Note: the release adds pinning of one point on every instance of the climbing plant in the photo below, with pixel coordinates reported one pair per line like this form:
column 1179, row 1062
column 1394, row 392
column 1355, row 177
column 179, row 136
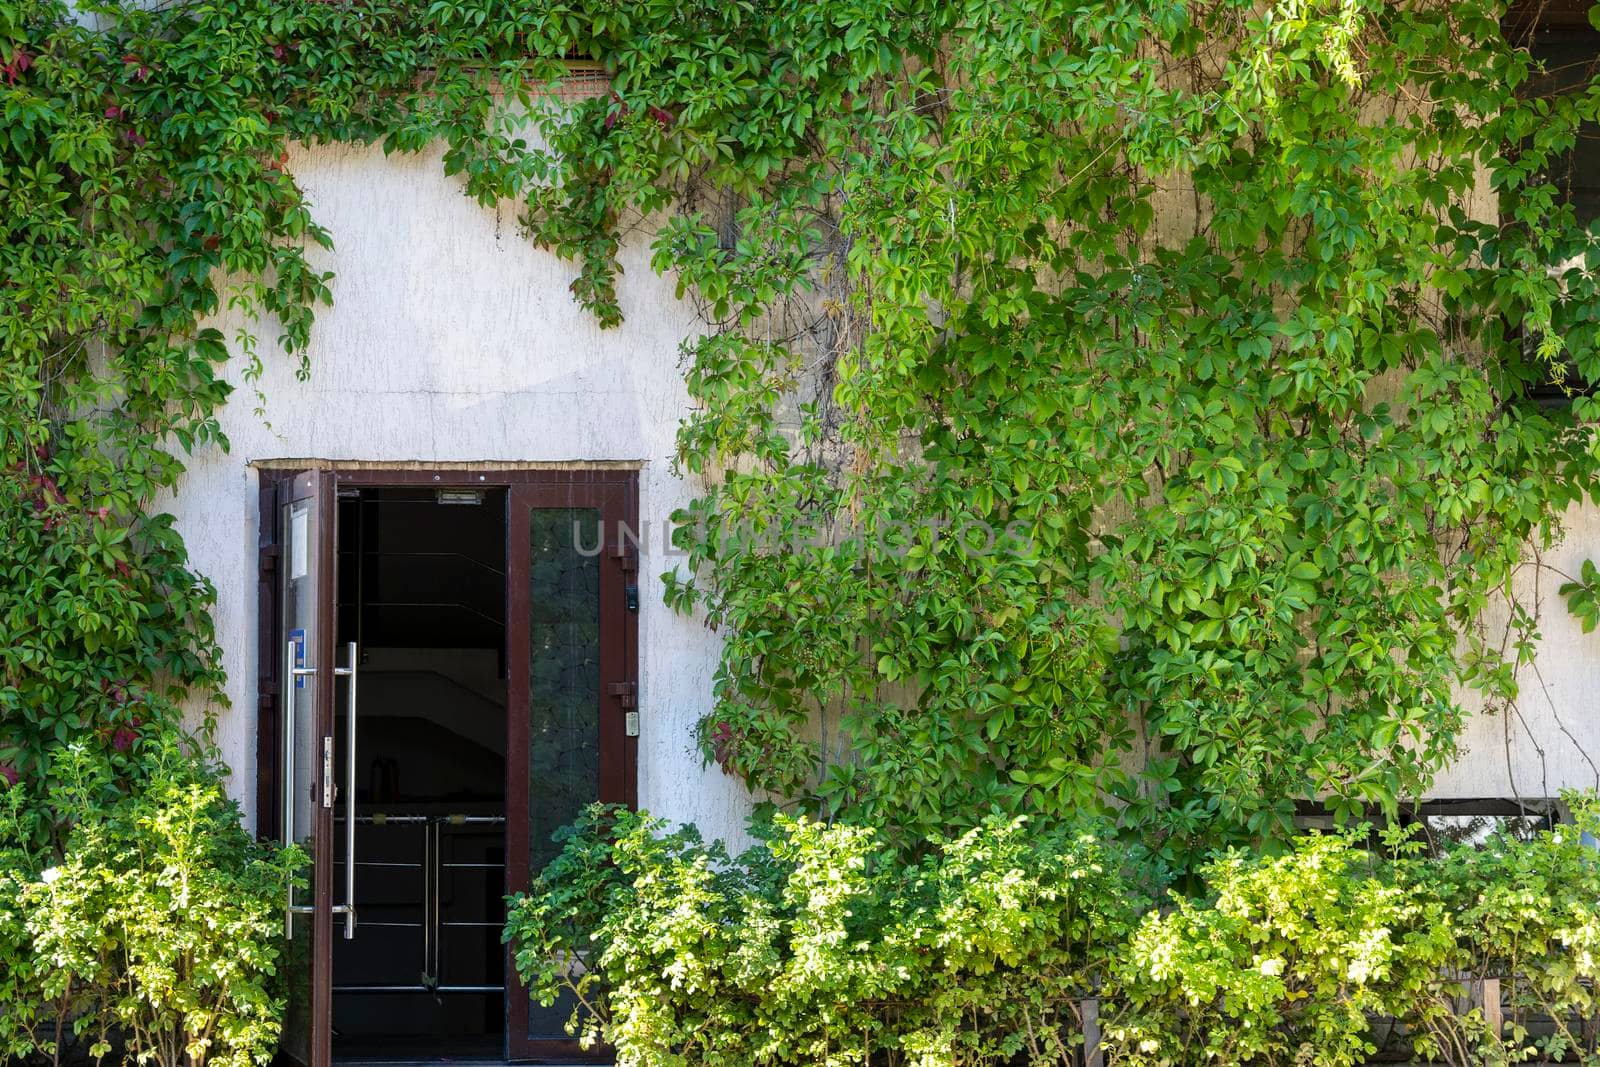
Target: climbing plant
column 1105, row 406
column 1100, row 405
column 143, row 176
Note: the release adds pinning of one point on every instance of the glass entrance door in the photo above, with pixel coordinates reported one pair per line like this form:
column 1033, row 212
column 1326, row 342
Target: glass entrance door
column 305, row 682
column 492, row 619
column 422, row 596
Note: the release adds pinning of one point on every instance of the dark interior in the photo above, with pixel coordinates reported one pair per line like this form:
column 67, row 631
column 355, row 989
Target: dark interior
column 1566, row 47
column 422, row 587
column 1568, row 50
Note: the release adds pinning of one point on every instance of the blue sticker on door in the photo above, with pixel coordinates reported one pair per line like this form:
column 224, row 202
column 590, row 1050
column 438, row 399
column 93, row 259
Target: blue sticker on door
column 298, row 636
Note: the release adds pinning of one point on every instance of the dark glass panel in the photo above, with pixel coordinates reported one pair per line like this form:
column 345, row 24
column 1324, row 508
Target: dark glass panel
column 563, row 672
column 563, row 692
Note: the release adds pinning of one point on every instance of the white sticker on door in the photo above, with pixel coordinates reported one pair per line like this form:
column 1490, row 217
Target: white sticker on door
column 299, row 520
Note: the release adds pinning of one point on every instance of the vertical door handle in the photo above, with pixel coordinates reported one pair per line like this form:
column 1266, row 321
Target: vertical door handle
column 349, row 908
column 286, row 710
column 438, row 888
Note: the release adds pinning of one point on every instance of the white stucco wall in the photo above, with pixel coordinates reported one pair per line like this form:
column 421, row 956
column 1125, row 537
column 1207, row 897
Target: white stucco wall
column 452, row 339
column 1550, row 739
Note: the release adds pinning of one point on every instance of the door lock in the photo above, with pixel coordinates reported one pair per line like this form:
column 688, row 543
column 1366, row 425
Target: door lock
column 327, row 771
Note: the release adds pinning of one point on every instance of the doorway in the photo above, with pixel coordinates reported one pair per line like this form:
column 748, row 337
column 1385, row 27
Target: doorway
column 473, row 635
column 422, row 596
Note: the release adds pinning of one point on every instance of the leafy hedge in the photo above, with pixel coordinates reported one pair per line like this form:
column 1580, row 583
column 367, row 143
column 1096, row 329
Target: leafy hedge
column 823, row 947
column 155, row 932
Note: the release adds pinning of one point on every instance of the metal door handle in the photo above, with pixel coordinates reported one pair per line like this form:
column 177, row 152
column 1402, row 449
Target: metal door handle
column 287, row 711
column 291, row 680
column 349, row 908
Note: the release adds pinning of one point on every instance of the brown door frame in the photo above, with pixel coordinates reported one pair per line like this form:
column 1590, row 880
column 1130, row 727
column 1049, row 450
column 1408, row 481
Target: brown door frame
column 322, row 874
column 615, row 493
column 278, row 489
column 269, row 657
column 615, row 496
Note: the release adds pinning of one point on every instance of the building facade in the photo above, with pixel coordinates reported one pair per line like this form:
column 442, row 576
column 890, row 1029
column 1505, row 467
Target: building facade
column 419, row 547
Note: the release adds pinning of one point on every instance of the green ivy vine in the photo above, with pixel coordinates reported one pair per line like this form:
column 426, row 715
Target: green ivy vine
column 1226, row 314
column 143, row 182
column 1217, row 318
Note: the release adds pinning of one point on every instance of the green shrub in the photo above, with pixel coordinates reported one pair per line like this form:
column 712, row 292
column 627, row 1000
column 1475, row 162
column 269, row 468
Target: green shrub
column 820, row 947
column 1286, row 960
column 825, row 947
column 157, row 928
column 1311, row 956
column 1528, row 913
column 22, row 1010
